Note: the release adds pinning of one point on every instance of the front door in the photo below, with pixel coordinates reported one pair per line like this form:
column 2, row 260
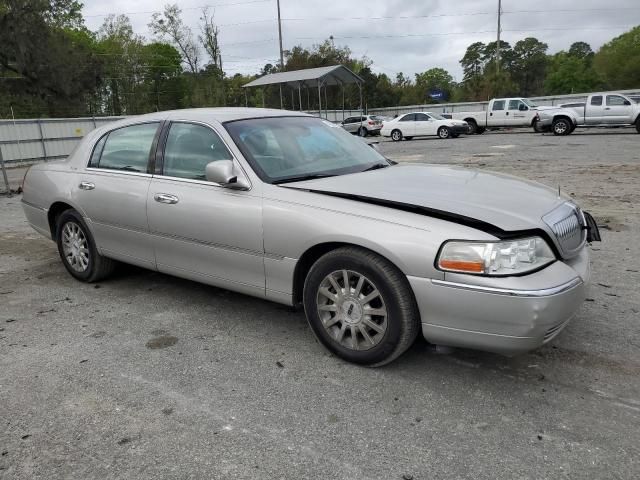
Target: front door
column 518, row 113
column 618, row 110
column 202, row 230
column 113, row 193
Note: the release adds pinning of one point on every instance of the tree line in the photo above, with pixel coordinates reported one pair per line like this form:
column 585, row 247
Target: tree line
column 52, row 65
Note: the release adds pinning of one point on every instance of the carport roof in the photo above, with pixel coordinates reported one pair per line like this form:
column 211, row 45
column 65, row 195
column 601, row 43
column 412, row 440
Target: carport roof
column 311, row 77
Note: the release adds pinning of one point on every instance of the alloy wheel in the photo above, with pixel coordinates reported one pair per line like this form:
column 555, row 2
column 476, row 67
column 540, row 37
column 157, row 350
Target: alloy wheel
column 75, row 246
column 352, row 310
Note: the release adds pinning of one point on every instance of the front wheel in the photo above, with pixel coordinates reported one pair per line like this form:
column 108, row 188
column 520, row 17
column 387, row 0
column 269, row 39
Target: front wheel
column 396, row 135
column 537, row 127
column 444, row 132
column 360, row 306
column 638, row 125
column 472, row 127
column 362, row 132
column 78, row 249
column 561, row 126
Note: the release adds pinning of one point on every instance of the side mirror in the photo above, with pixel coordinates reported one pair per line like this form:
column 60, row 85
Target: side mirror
column 222, row 172
column 627, row 102
column 523, row 108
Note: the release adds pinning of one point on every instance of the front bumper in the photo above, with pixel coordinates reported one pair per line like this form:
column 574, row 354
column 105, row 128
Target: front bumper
column 459, row 129
column 502, row 318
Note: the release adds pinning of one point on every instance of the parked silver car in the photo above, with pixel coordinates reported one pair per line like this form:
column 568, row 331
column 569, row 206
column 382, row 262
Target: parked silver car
column 291, row 208
column 363, row 125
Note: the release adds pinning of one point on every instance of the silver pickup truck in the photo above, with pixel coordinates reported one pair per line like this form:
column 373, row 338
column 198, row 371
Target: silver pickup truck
column 600, row 110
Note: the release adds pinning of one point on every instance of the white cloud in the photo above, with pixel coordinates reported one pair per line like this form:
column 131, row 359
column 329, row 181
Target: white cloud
column 430, row 33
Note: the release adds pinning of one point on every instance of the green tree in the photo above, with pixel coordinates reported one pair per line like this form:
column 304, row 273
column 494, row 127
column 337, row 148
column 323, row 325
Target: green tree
column 434, row 78
column 169, row 25
column 618, row 61
column 528, row 66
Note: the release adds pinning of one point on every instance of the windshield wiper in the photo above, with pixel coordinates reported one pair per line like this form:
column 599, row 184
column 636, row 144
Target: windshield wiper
column 376, row 166
column 301, row 178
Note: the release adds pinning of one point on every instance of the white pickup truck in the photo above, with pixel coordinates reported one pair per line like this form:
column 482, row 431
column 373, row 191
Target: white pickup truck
column 600, row 110
column 501, row 113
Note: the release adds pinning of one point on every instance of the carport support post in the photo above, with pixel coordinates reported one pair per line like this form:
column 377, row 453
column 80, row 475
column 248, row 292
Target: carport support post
column 281, row 104
column 246, row 98
column 4, row 173
column 44, row 147
column 300, row 96
column 319, row 101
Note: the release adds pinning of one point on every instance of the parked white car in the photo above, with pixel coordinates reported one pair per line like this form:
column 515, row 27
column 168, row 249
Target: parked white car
column 417, row 124
column 600, row 110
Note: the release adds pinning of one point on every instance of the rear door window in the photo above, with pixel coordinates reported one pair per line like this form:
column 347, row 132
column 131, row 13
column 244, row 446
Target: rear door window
column 127, row 148
column 498, row 105
column 597, row 100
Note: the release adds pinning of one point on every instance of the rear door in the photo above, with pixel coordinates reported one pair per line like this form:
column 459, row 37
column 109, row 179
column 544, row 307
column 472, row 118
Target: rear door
column 498, row 114
column 112, row 191
column 351, row 124
column 407, row 125
column 617, row 110
column 594, row 112
column 202, row 230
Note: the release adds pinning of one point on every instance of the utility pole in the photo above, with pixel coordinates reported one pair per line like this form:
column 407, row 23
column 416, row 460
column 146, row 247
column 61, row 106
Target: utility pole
column 498, row 42
column 281, row 54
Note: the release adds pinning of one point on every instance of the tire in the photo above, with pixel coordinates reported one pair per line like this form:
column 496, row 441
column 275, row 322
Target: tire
column 537, row 128
column 561, row 127
column 396, row 135
column 362, row 132
column 481, row 130
column 473, row 126
column 444, row 133
column 638, row 125
column 78, row 251
column 342, row 325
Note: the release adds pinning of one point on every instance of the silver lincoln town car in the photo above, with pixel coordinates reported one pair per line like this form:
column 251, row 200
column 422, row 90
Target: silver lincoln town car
column 291, row 208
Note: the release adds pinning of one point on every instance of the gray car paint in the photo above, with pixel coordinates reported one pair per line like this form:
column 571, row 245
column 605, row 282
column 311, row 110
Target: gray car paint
column 251, row 241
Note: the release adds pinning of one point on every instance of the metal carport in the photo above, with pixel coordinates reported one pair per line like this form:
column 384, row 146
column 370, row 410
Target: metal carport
column 311, row 78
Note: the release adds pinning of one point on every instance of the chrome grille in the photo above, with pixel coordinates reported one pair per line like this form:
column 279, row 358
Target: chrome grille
column 567, row 224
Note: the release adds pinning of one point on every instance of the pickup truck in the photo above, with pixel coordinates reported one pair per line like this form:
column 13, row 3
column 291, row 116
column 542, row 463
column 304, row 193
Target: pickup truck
column 500, row 113
column 600, row 110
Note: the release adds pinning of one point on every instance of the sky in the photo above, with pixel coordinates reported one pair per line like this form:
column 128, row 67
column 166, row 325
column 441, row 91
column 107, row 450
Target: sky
column 408, row 36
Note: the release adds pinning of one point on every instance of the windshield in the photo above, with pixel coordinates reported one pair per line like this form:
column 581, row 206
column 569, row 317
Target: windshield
column 290, row 148
column 529, row 103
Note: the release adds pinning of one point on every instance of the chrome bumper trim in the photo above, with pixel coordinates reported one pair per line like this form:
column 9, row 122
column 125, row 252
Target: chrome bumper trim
column 546, row 292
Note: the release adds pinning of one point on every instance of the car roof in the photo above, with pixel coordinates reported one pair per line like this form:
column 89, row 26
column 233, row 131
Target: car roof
column 222, row 114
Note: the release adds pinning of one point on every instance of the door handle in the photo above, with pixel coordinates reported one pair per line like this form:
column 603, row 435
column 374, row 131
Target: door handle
column 87, row 186
column 507, row 113
column 165, row 198
column 607, row 108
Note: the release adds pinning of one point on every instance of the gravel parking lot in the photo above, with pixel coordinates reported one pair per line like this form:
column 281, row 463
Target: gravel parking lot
column 149, row 376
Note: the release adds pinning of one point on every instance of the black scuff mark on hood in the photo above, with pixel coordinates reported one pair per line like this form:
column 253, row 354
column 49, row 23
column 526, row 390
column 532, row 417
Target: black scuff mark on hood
column 441, row 215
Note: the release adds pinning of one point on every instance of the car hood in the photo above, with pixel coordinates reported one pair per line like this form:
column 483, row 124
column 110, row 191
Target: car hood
column 503, row 201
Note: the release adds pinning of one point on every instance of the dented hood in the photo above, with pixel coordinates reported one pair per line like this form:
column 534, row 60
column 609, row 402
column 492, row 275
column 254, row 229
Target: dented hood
column 506, row 202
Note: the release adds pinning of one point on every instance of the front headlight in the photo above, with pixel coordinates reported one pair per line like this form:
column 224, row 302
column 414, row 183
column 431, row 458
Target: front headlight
column 510, row 257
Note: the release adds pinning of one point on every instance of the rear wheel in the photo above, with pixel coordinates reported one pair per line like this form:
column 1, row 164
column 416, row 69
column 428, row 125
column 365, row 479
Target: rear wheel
column 473, row 127
column 638, row 125
column 561, row 126
column 396, row 135
column 78, row 249
column 360, row 306
column 444, row 132
column 537, row 127
column 362, row 132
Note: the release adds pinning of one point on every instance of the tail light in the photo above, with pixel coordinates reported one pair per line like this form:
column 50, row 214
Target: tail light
column 371, row 122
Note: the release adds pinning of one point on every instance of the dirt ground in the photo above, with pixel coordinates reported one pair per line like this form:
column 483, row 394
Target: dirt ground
column 148, row 376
